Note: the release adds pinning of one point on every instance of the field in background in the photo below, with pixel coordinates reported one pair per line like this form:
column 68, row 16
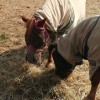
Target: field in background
column 20, row 81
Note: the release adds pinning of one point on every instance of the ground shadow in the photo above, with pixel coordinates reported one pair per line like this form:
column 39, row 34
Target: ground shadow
column 9, row 62
column 36, row 87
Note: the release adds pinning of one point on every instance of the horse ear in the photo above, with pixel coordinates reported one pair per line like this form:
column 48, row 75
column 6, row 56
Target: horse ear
column 41, row 23
column 24, row 19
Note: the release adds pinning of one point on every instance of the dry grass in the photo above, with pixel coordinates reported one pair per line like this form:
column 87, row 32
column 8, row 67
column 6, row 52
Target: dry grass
column 21, row 81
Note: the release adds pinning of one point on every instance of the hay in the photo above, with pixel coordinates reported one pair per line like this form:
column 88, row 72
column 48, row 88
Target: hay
column 42, row 84
column 35, row 83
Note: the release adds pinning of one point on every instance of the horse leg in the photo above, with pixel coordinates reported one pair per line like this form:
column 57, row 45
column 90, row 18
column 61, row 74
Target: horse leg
column 49, row 57
column 51, row 47
column 94, row 85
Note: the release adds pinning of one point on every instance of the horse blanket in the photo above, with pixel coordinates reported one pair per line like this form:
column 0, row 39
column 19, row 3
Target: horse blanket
column 61, row 14
column 81, row 42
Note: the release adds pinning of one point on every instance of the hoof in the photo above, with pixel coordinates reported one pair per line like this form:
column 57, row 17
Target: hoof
column 49, row 65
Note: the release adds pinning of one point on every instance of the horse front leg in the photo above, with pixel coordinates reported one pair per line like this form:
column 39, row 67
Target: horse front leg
column 49, row 59
column 92, row 93
column 94, row 85
column 51, row 47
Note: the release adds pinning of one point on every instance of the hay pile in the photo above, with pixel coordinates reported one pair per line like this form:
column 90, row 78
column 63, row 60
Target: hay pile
column 34, row 83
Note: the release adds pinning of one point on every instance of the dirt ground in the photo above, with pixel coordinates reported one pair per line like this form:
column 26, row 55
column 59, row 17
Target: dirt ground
column 12, row 58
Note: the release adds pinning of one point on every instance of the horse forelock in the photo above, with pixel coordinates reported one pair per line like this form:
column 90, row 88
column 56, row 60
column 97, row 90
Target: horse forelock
column 35, row 24
column 41, row 29
column 37, row 31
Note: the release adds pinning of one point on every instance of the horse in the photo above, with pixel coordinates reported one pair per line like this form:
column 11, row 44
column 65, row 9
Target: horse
column 48, row 23
column 82, row 42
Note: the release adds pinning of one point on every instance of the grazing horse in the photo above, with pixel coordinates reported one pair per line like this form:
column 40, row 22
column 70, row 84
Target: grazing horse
column 50, row 21
column 82, row 42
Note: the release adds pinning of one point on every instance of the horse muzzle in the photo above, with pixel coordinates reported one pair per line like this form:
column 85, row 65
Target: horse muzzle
column 34, row 58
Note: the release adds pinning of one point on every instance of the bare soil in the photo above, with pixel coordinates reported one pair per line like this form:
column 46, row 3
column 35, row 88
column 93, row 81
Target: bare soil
column 22, row 81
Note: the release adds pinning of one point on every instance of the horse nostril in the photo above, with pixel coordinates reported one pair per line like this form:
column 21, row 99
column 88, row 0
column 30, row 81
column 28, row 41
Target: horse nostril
column 39, row 63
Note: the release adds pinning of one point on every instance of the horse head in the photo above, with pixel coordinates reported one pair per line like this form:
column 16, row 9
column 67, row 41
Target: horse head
column 36, row 38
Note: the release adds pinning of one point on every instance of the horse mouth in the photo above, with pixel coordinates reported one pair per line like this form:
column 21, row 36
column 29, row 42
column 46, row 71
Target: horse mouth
column 30, row 59
column 33, row 59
